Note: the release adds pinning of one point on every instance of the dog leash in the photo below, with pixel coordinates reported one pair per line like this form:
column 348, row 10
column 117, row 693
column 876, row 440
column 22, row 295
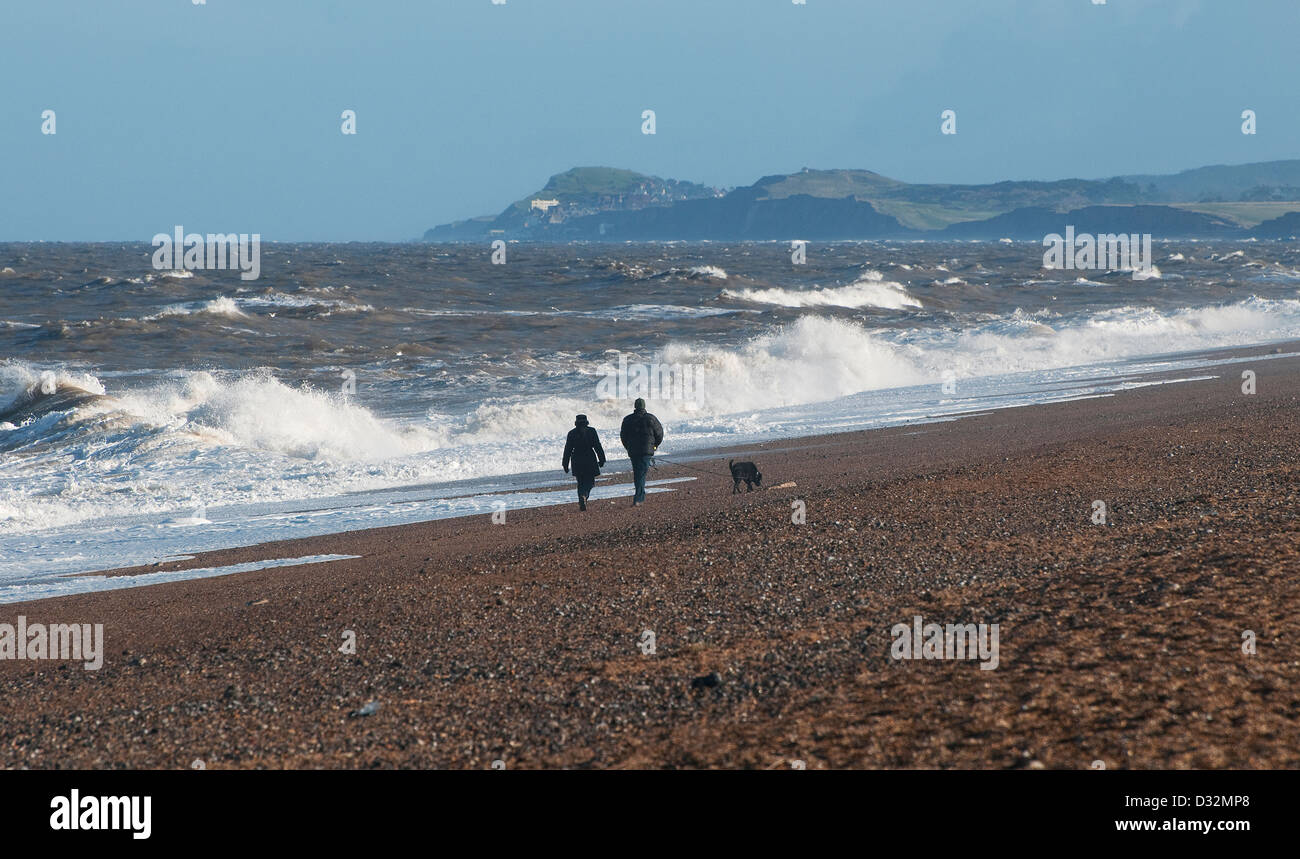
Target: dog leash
column 691, row 467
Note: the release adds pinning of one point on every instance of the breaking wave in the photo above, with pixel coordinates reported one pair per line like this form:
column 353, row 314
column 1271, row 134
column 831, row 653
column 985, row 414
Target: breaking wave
column 870, row 290
column 224, row 307
column 78, row 447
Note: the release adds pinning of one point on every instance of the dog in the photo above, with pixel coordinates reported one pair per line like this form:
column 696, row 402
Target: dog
column 746, row 471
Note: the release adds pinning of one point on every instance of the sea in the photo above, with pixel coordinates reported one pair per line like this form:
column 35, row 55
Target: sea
column 146, row 414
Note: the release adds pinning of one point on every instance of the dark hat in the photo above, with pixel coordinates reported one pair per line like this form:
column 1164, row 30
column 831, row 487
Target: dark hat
column 639, row 405
column 580, row 421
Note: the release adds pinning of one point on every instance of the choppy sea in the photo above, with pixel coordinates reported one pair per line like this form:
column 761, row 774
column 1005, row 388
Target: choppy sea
column 148, row 414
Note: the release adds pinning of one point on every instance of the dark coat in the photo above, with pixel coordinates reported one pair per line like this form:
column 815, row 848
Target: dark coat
column 582, row 449
column 641, row 433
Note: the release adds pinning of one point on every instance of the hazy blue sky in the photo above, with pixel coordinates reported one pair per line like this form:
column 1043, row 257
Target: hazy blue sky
column 226, row 116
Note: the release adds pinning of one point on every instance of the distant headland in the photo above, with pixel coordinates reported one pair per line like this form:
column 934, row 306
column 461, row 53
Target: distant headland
column 1259, row 200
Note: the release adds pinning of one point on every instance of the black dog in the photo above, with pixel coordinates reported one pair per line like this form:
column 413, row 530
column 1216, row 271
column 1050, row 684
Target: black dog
column 746, row 471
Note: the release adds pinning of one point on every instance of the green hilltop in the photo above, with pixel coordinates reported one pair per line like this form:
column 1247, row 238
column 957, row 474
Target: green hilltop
column 590, row 185
column 609, row 202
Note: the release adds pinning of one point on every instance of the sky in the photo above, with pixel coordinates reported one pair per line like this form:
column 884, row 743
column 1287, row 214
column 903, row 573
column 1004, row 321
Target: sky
column 225, row 116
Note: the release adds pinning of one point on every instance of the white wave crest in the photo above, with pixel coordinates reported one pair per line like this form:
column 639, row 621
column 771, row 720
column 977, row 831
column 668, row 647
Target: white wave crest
column 19, row 381
column 261, row 413
column 223, row 306
column 870, row 290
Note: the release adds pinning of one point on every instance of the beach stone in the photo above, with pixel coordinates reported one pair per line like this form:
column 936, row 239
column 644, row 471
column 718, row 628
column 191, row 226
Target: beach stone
column 369, row 710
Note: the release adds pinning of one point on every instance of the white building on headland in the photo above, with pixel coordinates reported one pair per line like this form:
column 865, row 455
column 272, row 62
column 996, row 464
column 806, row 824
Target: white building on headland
column 543, row 205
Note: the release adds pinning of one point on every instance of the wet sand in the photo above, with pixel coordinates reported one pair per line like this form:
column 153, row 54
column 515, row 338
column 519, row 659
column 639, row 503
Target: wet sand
column 523, row 642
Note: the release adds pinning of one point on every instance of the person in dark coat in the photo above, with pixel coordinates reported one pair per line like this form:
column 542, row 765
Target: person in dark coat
column 641, row 434
column 582, row 450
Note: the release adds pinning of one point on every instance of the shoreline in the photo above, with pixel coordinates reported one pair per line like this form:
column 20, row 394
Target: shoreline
column 534, row 483
column 522, row 642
